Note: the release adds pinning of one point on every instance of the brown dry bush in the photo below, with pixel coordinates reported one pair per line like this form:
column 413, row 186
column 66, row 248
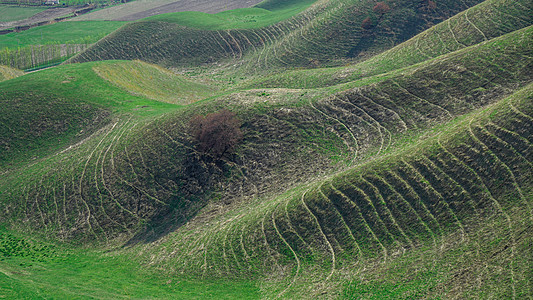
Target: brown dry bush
column 216, row 133
column 367, row 24
column 381, row 8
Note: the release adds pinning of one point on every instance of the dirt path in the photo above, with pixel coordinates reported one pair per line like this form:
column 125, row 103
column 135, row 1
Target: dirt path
column 139, row 9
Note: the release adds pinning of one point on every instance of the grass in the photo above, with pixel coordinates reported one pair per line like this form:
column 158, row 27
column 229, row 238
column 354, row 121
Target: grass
column 413, row 183
column 62, row 272
column 10, row 13
column 7, row 73
column 43, row 46
column 438, row 40
column 65, row 100
column 153, row 82
column 243, row 18
column 60, row 33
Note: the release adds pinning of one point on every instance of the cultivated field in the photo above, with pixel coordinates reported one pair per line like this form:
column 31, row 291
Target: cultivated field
column 139, row 9
column 51, row 44
column 9, row 13
column 42, row 16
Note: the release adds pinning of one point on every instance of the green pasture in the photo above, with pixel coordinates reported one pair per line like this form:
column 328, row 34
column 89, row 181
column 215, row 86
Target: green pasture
column 10, row 13
column 32, row 269
column 243, row 18
column 82, row 32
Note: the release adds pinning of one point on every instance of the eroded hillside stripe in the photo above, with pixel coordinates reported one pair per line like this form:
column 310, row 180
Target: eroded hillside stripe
column 409, row 195
column 376, row 125
column 343, row 125
column 520, row 144
column 339, row 215
column 470, row 22
column 83, row 174
column 402, row 122
column 333, row 260
column 100, row 162
column 289, row 222
column 500, row 209
column 368, row 205
column 298, row 264
column 453, row 34
column 401, row 211
column 426, row 170
column 502, row 162
column 386, row 215
column 361, row 213
column 102, row 173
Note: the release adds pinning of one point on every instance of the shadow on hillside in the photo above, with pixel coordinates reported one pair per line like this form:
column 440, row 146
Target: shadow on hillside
column 199, row 180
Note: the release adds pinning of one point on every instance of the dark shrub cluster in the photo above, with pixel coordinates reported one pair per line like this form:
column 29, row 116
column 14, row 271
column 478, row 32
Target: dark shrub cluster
column 216, row 133
column 381, row 8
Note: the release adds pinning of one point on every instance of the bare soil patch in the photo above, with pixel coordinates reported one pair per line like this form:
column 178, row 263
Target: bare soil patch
column 47, row 15
column 136, row 10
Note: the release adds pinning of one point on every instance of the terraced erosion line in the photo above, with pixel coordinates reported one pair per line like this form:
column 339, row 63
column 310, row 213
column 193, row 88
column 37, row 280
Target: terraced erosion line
column 267, row 244
column 113, row 144
column 341, row 217
column 364, row 220
column 81, row 181
column 515, row 182
column 470, row 22
column 293, row 252
column 343, row 125
column 377, row 127
column 499, row 207
column 333, row 260
column 388, row 213
column 441, row 198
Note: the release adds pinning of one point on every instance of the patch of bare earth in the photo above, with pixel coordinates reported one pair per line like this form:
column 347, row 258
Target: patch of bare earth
column 46, row 15
column 136, row 10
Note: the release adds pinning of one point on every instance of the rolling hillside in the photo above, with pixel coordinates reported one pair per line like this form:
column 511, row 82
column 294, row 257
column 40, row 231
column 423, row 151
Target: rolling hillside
column 406, row 173
column 327, row 33
column 483, row 22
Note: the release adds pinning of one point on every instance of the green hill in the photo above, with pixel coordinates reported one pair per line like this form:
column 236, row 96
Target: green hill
column 261, row 15
column 153, row 82
column 404, row 175
column 493, row 18
column 157, row 162
column 432, row 210
column 46, row 111
column 328, row 32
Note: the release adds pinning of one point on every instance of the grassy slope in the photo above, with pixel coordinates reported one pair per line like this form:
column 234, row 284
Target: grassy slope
column 30, row 268
column 153, row 82
column 261, row 15
column 327, row 32
column 60, row 33
column 7, row 73
column 131, row 175
column 483, row 22
column 155, row 161
column 429, row 212
column 45, row 111
column 10, row 13
column 415, row 273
